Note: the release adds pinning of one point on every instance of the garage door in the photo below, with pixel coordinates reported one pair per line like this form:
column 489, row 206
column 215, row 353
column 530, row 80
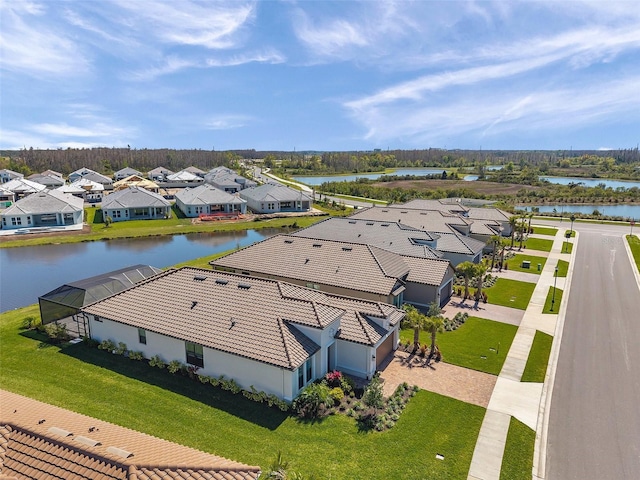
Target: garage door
column 383, row 350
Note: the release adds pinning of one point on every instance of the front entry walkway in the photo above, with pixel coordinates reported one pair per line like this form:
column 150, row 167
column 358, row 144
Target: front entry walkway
column 452, row 381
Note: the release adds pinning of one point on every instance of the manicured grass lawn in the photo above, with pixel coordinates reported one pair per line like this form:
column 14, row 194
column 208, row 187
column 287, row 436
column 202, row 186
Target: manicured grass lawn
column 517, row 461
column 202, row 262
column 539, row 244
column 573, row 233
column 130, row 393
column 563, row 268
column 634, row 244
column 536, row 367
column 545, row 230
column 567, row 247
column 557, row 300
column 510, row 293
column 515, row 263
column 170, row 226
column 475, row 339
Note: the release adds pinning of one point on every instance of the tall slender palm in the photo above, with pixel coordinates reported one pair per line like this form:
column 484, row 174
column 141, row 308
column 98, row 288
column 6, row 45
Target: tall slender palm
column 434, row 323
column 481, row 270
column 494, row 241
column 513, row 223
column 521, row 228
column 467, row 270
column 530, row 217
column 416, row 320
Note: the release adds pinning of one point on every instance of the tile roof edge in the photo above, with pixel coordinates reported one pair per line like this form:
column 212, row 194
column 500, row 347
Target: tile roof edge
column 285, row 342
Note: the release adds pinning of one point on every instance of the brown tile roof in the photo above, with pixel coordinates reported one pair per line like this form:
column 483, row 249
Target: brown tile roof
column 38, row 440
column 427, row 271
column 427, row 220
column 251, row 317
column 341, row 264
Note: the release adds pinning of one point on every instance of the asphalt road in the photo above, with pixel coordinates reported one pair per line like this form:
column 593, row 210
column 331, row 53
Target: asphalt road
column 594, row 423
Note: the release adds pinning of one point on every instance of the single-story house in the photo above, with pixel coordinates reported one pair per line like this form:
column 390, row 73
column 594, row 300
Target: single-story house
column 442, row 205
column 7, row 175
column 135, row 203
column 427, row 220
column 492, row 217
column 44, row 441
column 159, row 174
column 136, row 181
column 343, row 268
column 271, row 335
column 275, row 197
column 208, row 199
column 92, row 191
column 195, row 171
column 48, row 208
column 184, row 177
column 227, row 180
column 93, row 176
column 126, row 172
column 21, row 187
column 49, row 181
column 7, row 197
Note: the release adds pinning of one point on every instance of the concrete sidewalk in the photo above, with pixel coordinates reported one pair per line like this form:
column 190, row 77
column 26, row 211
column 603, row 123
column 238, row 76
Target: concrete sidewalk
column 511, row 397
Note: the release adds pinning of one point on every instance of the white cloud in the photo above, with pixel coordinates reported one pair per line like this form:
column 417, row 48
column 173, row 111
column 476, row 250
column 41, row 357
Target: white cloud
column 226, row 122
column 66, row 130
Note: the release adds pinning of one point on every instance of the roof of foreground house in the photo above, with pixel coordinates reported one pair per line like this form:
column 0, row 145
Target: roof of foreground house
column 249, row 317
column 489, row 213
column 51, row 201
column 353, row 266
column 133, row 197
column 456, row 243
column 392, row 236
column 427, row 220
column 206, row 194
column 38, row 440
column 428, row 271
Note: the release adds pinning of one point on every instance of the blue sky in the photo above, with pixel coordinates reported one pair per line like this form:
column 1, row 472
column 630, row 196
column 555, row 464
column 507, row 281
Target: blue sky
column 316, row 75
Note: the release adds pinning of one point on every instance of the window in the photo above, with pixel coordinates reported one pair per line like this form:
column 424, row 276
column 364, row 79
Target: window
column 305, row 373
column 116, row 214
column 142, row 336
column 194, row 354
column 16, row 220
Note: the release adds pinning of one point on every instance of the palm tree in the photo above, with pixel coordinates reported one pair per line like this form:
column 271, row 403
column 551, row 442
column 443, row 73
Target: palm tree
column 416, row 320
column 467, row 270
column 503, row 247
column 513, row 223
column 494, row 241
column 434, row 323
column 481, row 269
column 530, row 217
column 522, row 226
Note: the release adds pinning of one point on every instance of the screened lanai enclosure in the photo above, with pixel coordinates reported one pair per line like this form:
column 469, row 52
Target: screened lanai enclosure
column 65, row 302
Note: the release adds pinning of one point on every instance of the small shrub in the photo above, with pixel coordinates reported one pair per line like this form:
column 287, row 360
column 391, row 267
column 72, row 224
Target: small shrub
column 333, row 378
column 347, row 384
column 311, row 401
column 156, row 361
column 107, row 345
column 90, row 342
column 174, row 366
column 57, row 333
column 192, row 370
column 337, row 395
column 135, row 355
column 30, row 322
column 121, row 348
column 373, row 396
column 204, row 379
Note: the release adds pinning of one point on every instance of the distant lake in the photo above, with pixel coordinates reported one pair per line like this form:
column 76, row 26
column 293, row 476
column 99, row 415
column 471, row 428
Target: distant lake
column 471, row 178
column 591, row 182
column 313, row 180
column 28, row 272
column 616, row 210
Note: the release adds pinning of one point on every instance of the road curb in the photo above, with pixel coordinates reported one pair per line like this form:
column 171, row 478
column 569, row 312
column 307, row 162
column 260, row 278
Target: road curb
column 540, row 448
column 631, row 259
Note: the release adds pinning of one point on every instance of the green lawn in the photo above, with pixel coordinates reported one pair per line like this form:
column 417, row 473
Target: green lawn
column 119, row 390
column 144, row 228
column 515, row 263
column 538, row 244
column 467, row 345
column 557, row 300
column 573, row 233
column 510, row 293
column 545, row 230
column 203, row 262
column 517, row 462
column 536, row 367
column 567, row 247
column 563, row 268
column 634, row 244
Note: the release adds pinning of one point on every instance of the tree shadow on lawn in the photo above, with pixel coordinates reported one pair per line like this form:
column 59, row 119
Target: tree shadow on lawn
column 214, row 397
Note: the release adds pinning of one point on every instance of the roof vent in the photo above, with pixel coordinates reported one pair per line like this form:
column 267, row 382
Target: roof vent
column 423, row 213
column 317, row 245
column 90, row 442
column 385, row 225
column 369, row 223
column 193, row 304
column 199, row 278
column 352, row 221
column 385, row 211
column 347, row 249
column 406, row 211
column 288, row 241
column 221, row 281
column 119, row 452
column 60, row 432
column 306, row 261
column 244, row 286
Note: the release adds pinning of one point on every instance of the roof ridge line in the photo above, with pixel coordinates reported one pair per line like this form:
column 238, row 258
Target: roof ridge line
column 284, row 341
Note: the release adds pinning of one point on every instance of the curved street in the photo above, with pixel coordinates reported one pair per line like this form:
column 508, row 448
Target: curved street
column 594, row 419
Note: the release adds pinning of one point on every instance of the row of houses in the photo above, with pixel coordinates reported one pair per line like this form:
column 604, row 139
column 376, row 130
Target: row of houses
column 283, row 312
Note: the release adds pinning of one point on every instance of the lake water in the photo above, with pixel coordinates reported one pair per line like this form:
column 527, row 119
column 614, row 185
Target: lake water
column 592, row 182
column 625, row 211
column 28, row 272
column 312, row 180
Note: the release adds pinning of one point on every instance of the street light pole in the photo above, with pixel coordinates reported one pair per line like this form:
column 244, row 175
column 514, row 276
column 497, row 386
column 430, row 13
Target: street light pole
column 573, row 217
column 553, row 295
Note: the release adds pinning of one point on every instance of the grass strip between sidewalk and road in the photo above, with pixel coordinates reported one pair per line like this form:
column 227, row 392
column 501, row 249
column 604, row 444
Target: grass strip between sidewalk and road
column 478, row 344
column 517, row 461
column 536, row 367
column 563, row 268
column 557, row 300
column 634, row 245
column 515, row 263
column 131, row 393
column 567, row 247
column 540, row 244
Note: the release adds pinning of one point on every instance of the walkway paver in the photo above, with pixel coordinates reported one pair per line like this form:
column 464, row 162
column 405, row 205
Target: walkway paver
column 456, row 382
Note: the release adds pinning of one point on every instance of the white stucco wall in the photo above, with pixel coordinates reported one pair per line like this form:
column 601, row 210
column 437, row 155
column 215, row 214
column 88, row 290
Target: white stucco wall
column 355, row 359
column 246, row 372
